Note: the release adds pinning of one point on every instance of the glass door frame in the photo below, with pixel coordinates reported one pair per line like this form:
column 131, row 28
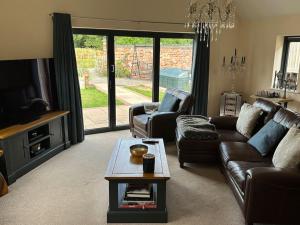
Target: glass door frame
column 111, row 34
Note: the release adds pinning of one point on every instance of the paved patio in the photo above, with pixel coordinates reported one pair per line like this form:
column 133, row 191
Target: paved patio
column 98, row 117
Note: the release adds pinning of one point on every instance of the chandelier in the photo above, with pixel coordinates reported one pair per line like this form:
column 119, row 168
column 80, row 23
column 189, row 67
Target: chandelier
column 209, row 17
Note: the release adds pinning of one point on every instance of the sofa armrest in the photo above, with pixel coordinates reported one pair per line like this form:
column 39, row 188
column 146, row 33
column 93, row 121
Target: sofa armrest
column 162, row 125
column 224, row 122
column 272, row 195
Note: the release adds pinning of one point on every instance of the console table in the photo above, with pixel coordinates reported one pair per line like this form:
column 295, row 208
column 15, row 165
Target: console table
column 25, row 146
column 280, row 101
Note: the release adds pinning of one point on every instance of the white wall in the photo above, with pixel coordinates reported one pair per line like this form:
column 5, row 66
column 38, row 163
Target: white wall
column 259, row 38
column 26, row 28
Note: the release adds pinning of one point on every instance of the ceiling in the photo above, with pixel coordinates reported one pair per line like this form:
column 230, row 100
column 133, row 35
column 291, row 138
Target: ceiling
column 252, row 9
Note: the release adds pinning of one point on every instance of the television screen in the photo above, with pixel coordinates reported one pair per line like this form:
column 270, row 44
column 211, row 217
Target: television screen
column 23, row 82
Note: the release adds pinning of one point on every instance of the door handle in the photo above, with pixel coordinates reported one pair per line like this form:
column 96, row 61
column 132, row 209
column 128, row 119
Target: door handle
column 112, row 68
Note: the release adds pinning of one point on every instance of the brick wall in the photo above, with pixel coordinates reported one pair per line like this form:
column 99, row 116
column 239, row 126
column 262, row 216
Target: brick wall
column 136, row 61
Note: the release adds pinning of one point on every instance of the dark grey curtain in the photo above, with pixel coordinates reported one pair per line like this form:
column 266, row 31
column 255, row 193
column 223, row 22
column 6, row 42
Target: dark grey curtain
column 200, row 73
column 68, row 90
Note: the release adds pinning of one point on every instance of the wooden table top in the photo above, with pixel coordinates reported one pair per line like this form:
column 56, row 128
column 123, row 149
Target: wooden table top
column 18, row 128
column 121, row 165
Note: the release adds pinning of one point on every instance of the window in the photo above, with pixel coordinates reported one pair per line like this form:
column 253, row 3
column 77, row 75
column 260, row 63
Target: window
column 118, row 69
column 288, row 76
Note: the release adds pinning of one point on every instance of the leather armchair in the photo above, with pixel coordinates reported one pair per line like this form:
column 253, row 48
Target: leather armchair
column 272, row 188
column 159, row 124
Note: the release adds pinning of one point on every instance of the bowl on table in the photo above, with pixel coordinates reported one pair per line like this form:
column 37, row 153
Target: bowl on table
column 138, row 150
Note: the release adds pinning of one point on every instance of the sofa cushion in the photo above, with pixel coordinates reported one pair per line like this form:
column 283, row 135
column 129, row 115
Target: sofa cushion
column 237, row 170
column 169, row 103
column 267, row 138
column 231, row 135
column 247, row 120
column 239, row 151
column 287, row 154
column 141, row 121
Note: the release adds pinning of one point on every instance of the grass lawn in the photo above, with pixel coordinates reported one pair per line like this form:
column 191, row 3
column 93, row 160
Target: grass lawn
column 92, row 98
column 143, row 90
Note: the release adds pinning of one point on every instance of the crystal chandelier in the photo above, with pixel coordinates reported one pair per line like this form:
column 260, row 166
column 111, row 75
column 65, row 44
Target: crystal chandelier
column 209, row 17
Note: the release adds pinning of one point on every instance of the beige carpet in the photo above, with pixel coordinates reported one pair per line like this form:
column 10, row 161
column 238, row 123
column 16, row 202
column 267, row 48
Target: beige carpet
column 70, row 189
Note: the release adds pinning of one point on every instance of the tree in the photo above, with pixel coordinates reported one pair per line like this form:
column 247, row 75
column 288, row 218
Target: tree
column 88, row 41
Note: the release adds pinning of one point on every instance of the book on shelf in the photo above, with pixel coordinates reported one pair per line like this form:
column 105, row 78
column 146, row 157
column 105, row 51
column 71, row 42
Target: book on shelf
column 139, row 206
column 138, row 196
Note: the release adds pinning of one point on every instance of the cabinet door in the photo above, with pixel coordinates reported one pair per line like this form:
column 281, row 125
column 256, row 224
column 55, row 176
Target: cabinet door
column 18, row 151
column 56, row 133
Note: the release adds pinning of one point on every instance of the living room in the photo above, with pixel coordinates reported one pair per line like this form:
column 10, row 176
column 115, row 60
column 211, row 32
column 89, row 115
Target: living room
column 99, row 69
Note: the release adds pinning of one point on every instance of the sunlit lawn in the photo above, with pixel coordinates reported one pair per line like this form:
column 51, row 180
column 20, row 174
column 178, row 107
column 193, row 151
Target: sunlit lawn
column 92, row 98
column 144, row 90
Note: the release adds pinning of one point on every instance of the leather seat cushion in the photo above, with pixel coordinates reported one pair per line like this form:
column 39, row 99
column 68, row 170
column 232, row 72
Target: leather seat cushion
column 141, row 121
column 231, row 135
column 237, row 170
column 239, row 151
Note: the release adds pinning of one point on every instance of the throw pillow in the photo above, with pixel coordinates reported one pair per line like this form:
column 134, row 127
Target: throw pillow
column 268, row 137
column 247, row 119
column 287, row 154
column 168, row 103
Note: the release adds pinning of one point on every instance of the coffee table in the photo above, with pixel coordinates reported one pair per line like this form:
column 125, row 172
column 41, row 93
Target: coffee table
column 122, row 170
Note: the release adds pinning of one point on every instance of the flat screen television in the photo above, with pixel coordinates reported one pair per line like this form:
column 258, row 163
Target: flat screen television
column 26, row 86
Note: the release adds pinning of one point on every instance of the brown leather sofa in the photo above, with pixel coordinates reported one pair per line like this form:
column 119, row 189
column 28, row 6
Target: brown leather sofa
column 159, row 125
column 265, row 194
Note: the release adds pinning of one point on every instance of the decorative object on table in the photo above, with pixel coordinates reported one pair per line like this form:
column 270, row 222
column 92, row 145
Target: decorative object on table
column 287, row 81
column 268, row 94
column 209, row 17
column 280, row 101
column 138, row 150
column 236, row 66
column 231, row 104
column 148, row 163
column 151, row 107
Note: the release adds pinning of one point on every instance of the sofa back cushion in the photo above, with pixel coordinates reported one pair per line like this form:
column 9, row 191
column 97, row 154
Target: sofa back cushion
column 267, row 138
column 185, row 103
column 287, row 154
column 269, row 109
column 247, row 119
column 287, row 117
column 169, row 103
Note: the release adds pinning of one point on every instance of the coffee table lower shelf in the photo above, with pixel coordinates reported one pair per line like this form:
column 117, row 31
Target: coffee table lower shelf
column 137, row 216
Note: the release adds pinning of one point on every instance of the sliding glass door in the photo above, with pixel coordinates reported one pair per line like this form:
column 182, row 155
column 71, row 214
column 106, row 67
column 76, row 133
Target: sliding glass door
column 133, row 74
column 91, row 56
column 175, row 64
column 118, row 69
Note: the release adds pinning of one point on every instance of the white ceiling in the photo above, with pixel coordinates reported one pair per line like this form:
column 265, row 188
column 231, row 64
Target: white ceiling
column 251, row 9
